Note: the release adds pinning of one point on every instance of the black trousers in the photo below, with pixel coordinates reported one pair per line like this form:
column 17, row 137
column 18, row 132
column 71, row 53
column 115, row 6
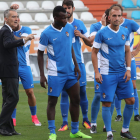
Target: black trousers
column 10, row 100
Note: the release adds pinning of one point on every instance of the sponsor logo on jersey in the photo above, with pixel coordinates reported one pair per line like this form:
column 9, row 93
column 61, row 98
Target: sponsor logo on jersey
column 50, row 89
column 123, row 37
column 104, row 95
column 75, row 27
column 97, row 86
column 67, row 34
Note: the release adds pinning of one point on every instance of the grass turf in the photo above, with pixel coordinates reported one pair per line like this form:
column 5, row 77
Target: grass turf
column 30, row 132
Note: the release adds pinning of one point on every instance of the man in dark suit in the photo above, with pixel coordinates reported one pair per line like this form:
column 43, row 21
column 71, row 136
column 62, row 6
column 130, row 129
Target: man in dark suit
column 9, row 70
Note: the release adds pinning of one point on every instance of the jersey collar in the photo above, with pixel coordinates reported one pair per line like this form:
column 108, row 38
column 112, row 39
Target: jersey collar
column 57, row 29
column 113, row 30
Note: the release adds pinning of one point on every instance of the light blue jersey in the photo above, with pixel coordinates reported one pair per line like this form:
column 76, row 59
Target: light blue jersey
column 59, row 49
column 23, row 51
column 79, row 25
column 112, row 57
column 94, row 28
column 132, row 27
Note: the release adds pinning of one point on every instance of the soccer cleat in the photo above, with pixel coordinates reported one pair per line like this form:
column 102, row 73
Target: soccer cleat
column 118, row 118
column 14, row 121
column 104, row 130
column 79, row 134
column 127, row 135
column 64, row 127
column 52, row 136
column 110, row 137
column 137, row 118
column 35, row 120
column 86, row 124
column 93, row 129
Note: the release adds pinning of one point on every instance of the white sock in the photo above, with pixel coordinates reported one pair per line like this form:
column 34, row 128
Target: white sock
column 125, row 130
column 95, row 124
column 109, row 133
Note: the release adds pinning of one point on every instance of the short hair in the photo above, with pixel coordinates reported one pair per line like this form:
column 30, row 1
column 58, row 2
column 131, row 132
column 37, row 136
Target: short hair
column 116, row 7
column 68, row 3
column 6, row 12
column 107, row 13
column 57, row 10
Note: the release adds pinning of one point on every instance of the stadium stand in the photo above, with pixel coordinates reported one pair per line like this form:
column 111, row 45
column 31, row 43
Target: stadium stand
column 47, row 5
column 128, row 4
column 135, row 15
column 25, row 17
column 75, row 15
column 32, row 5
column 138, row 3
column 21, row 6
column 41, row 17
column 3, row 6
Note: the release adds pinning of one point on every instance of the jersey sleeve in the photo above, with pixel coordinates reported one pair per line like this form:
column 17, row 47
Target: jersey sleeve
column 135, row 27
column 127, row 39
column 93, row 30
column 26, row 32
column 84, row 29
column 98, row 40
column 43, row 43
column 73, row 35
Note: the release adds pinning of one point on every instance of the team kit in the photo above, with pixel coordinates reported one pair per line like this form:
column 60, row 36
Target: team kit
column 114, row 65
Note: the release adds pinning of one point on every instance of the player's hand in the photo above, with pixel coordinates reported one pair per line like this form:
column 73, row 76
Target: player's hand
column 43, row 80
column 98, row 77
column 127, row 76
column 77, row 33
column 14, row 6
column 77, row 71
column 29, row 37
column 103, row 19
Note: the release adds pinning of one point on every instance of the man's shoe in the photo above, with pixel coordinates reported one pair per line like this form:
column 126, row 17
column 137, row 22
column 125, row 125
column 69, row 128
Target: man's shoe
column 127, row 135
column 16, row 133
column 104, row 130
column 79, row 134
column 137, row 118
column 14, row 121
column 93, row 129
column 110, row 137
column 64, row 127
column 86, row 124
column 5, row 132
column 35, row 120
column 52, row 136
column 118, row 118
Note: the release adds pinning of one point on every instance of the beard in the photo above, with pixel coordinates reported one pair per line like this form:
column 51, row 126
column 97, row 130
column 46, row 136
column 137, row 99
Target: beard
column 70, row 15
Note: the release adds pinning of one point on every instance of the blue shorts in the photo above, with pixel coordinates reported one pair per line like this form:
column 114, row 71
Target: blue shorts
column 57, row 83
column 112, row 84
column 82, row 80
column 25, row 74
column 96, row 84
column 133, row 70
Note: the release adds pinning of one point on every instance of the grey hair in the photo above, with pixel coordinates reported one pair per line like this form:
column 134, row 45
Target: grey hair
column 6, row 12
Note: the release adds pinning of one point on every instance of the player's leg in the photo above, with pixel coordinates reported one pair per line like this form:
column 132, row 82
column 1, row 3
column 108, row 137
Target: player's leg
column 73, row 89
column 26, row 77
column 55, row 86
column 95, row 107
column 108, row 88
column 136, row 104
column 64, row 105
column 125, row 91
column 83, row 96
column 118, row 109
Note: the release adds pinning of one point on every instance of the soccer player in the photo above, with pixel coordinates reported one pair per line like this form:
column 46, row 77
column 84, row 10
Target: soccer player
column 132, row 26
column 58, row 38
column 80, row 32
column 95, row 107
column 115, row 66
column 24, row 71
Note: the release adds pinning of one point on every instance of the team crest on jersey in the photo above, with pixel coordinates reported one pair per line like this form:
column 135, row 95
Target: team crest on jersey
column 125, row 26
column 67, row 34
column 97, row 86
column 50, row 89
column 123, row 37
column 104, row 95
column 75, row 27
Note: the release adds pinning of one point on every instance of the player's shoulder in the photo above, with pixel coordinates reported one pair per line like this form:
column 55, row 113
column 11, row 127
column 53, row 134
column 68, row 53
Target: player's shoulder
column 124, row 29
column 78, row 21
column 26, row 27
column 130, row 21
column 47, row 30
column 96, row 25
column 69, row 26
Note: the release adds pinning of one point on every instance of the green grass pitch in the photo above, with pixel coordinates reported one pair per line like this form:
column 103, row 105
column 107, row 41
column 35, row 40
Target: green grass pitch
column 30, row 132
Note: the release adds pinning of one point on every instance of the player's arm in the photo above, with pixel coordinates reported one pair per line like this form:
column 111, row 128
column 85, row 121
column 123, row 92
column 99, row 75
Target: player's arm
column 128, row 63
column 76, row 65
column 136, row 51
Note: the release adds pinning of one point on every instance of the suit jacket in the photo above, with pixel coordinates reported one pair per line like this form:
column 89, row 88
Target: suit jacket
column 8, row 53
